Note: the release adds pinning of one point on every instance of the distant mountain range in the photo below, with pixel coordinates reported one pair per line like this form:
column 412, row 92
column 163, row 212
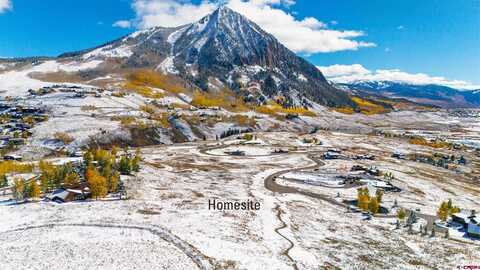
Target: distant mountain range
column 223, row 49
column 438, row 95
column 226, row 50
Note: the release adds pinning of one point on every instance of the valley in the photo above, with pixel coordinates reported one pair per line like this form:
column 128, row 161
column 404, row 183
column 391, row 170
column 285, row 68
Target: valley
column 213, row 146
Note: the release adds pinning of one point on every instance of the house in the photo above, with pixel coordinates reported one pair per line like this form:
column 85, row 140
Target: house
column 17, row 141
column 12, row 157
column 71, row 193
column 473, row 230
column 356, row 168
column 254, row 87
column 235, row 153
column 367, row 157
column 464, row 219
column 332, row 155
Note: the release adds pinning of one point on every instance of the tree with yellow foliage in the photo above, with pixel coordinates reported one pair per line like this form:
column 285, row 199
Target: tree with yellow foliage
column 113, row 182
column 379, row 195
column 71, row 179
column 447, row 209
column 97, row 183
column 18, row 189
column 44, row 183
column 135, row 163
column 34, row 190
column 373, row 205
column 401, row 214
column 363, row 198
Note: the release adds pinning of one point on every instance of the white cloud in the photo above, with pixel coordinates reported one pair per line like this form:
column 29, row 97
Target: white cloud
column 307, row 35
column 5, row 5
column 169, row 13
column 343, row 70
column 356, row 72
column 122, row 24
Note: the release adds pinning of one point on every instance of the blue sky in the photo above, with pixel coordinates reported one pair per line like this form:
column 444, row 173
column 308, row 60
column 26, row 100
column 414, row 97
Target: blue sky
column 435, row 37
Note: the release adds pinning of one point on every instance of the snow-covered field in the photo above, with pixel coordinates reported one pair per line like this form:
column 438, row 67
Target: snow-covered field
column 167, row 223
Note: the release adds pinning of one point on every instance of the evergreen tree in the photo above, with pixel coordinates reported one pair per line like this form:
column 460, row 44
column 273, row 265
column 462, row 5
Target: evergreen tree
column 3, row 181
column 44, row 183
column 124, row 165
column 135, row 163
column 87, row 158
column 107, row 169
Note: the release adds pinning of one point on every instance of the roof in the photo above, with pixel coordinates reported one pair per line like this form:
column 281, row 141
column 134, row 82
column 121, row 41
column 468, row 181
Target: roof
column 59, row 193
column 473, row 229
column 462, row 215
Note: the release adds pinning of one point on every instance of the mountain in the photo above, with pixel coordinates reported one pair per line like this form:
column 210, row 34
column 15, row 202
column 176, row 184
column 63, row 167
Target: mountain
column 223, row 49
column 438, row 95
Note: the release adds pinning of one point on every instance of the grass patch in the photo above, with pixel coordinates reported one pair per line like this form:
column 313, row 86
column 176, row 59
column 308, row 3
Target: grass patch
column 144, row 80
column 425, row 142
column 274, row 109
column 364, row 106
column 223, row 99
column 368, row 107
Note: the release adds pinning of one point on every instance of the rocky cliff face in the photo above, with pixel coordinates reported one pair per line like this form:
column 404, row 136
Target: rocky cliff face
column 224, row 49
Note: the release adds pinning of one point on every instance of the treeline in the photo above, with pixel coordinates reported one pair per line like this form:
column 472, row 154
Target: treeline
column 232, row 132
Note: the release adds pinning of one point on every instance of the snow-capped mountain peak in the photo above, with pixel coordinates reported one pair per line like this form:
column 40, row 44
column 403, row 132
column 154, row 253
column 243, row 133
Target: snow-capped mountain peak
column 227, row 48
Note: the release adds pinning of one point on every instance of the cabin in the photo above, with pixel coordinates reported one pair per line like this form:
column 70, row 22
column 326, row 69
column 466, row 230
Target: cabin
column 77, row 192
